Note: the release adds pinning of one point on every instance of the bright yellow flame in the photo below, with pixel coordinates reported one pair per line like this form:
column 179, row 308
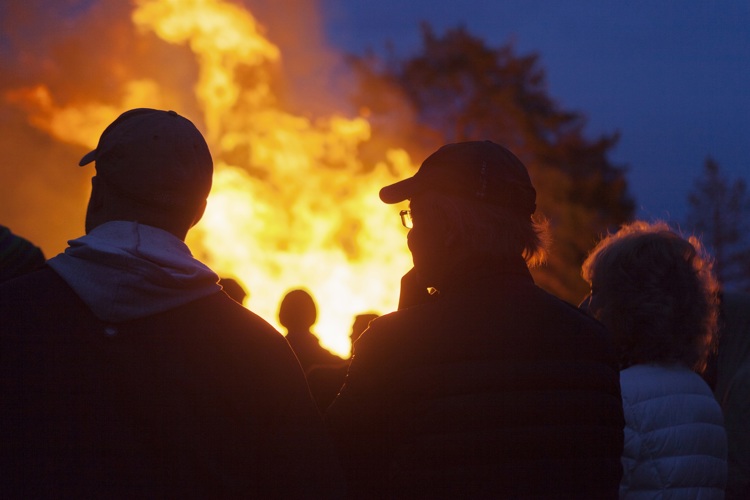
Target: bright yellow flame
column 292, row 206
column 224, row 37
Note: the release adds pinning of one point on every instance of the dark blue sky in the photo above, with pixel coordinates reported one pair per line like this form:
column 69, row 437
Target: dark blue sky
column 672, row 76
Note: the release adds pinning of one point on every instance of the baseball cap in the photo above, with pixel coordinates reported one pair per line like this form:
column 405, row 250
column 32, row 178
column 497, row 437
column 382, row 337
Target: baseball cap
column 154, row 156
column 480, row 170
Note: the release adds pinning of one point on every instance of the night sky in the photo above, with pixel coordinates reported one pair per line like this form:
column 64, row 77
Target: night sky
column 673, row 76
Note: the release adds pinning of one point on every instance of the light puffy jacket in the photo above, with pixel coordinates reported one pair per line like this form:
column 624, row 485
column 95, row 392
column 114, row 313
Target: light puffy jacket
column 675, row 442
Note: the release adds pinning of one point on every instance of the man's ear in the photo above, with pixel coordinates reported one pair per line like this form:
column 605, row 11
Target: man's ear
column 95, row 212
column 98, row 188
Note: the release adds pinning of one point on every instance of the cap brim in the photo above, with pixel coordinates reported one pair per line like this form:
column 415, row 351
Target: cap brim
column 400, row 191
column 87, row 158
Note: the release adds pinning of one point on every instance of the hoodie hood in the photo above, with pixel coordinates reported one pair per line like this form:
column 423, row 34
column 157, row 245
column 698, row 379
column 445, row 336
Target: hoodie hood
column 125, row 271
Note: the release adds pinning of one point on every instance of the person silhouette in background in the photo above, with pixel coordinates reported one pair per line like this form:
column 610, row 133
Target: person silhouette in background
column 326, row 380
column 732, row 389
column 298, row 313
column 18, row 255
column 125, row 372
column 656, row 293
column 489, row 387
column 233, row 288
column 361, row 322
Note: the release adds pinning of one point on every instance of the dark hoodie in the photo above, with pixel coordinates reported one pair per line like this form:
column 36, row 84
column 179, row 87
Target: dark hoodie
column 126, row 372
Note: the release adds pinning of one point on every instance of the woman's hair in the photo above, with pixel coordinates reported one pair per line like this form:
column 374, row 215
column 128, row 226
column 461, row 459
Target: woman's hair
column 656, row 292
column 492, row 230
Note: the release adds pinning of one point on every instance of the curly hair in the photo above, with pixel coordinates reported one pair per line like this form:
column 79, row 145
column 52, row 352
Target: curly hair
column 656, row 292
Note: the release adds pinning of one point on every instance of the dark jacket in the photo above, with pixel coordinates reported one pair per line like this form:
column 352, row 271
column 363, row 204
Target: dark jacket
column 494, row 389
column 733, row 389
column 205, row 400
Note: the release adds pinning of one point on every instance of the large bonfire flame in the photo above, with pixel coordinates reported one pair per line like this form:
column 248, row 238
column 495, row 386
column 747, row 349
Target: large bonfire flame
column 292, row 205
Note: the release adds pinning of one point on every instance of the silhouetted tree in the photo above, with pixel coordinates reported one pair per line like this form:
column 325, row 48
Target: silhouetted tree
column 457, row 88
column 719, row 211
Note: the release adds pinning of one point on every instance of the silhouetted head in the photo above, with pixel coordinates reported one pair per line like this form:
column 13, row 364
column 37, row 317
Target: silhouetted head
column 17, row 255
column 361, row 322
column 233, row 288
column 475, row 170
column 297, row 311
column 153, row 167
column 656, row 293
column 469, row 201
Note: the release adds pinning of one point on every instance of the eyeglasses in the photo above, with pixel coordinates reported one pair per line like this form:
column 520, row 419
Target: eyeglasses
column 406, row 219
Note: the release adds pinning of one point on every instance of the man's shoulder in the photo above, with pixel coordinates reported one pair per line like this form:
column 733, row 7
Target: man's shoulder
column 42, row 295
column 215, row 312
column 31, row 281
column 404, row 320
column 566, row 316
column 543, row 305
column 42, row 288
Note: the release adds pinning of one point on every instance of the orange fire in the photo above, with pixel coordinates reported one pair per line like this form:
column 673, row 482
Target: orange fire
column 292, row 205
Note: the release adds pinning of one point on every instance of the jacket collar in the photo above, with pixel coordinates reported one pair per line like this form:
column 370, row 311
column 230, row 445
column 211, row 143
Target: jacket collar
column 485, row 273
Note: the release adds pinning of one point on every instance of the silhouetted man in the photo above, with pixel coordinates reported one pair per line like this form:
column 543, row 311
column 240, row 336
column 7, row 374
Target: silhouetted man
column 298, row 313
column 489, row 387
column 326, row 380
column 125, row 371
